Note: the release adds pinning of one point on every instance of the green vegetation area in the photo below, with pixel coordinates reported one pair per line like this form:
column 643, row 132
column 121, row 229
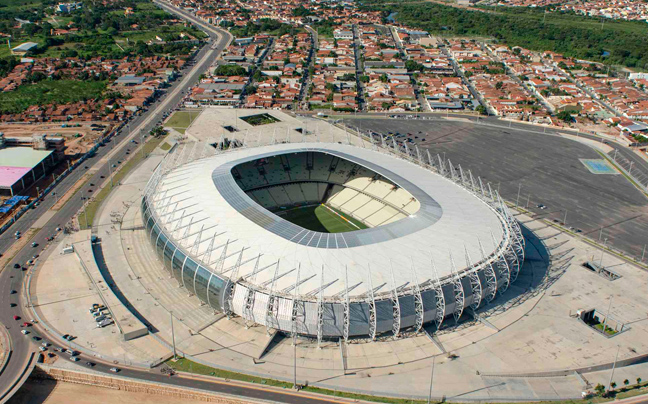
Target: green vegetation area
column 48, row 92
column 230, row 70
column 325, row 28
column 186, row 365
column 260, row 119
column 608, row 330
column 265, row 25
column 88, row 215
column 320, row 218
column 181, row 120
column 612, row 42
column 103, row 30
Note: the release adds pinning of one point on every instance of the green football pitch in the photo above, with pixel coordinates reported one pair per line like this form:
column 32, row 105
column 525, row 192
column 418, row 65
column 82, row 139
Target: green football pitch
column 320, row 218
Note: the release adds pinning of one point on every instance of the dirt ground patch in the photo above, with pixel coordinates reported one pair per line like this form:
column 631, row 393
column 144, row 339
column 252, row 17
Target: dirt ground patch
column 78, row 139
column 52, row 392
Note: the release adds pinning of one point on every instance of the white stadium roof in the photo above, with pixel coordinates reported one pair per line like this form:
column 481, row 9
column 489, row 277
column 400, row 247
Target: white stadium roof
column 452, row 223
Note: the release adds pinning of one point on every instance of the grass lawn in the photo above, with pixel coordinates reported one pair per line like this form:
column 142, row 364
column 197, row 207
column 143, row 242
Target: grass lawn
column 608, row 330
column 49, row 91
column 320, row 218
column 136, row 158
column 260, row 119
column 181, row 120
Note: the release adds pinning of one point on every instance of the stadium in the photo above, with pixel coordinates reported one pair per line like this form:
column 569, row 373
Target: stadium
column 330, row 240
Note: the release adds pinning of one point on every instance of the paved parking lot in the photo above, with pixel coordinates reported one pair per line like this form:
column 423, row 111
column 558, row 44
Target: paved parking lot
column 546, row 169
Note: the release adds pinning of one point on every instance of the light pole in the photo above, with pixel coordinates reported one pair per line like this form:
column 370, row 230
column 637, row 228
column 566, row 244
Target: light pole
column 518, row 195
column 607, row 315
column 173, row 337
column 295, row 361
column 85, row 213
column 602, row 251
column 613, row 367
column 565, row 219
column 431, row 380
column 110, row 171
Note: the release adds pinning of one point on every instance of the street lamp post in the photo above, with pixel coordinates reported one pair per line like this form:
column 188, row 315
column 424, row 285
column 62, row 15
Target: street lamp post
column 613, row 367
column 173, row 337
column 602, row 251
column 110, row 171
column 431, row 381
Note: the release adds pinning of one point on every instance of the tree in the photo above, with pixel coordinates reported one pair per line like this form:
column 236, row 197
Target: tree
column 565, row 116
column 301, row 11
column 481, row 109
column 499, row 85
column 230, row 70
column 158, row 131
column 626, row 382
column 413, row 66
column 638, row 380
column 613, row 385
column 599, row 389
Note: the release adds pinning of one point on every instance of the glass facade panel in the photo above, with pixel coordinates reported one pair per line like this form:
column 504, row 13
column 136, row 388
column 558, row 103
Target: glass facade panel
column 159, row 245
column 188, row 274
column 178, row 260
column 153, row 233
column 215, row 291
column 174, row 260
column 202, row 277
column 169, row 249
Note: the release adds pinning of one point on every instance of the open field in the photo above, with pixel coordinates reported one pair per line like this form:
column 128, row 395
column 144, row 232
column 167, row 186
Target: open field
column 181, row 120
column 320, row 218
column 49, row 91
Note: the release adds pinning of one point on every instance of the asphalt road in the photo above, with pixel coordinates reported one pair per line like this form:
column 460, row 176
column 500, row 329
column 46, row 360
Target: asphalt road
column 118, row 149
column 545, row 169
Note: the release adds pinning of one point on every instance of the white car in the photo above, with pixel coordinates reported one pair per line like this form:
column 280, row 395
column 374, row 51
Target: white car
column 114, row 370
column 74, row 359
column 42, row 348
column 24, row 332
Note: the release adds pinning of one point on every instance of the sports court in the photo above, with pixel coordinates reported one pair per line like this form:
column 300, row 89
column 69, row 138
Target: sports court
column 321, row 218
column 599, row 166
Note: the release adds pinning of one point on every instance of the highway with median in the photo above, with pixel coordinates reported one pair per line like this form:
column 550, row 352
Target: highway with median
column 118, row 149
